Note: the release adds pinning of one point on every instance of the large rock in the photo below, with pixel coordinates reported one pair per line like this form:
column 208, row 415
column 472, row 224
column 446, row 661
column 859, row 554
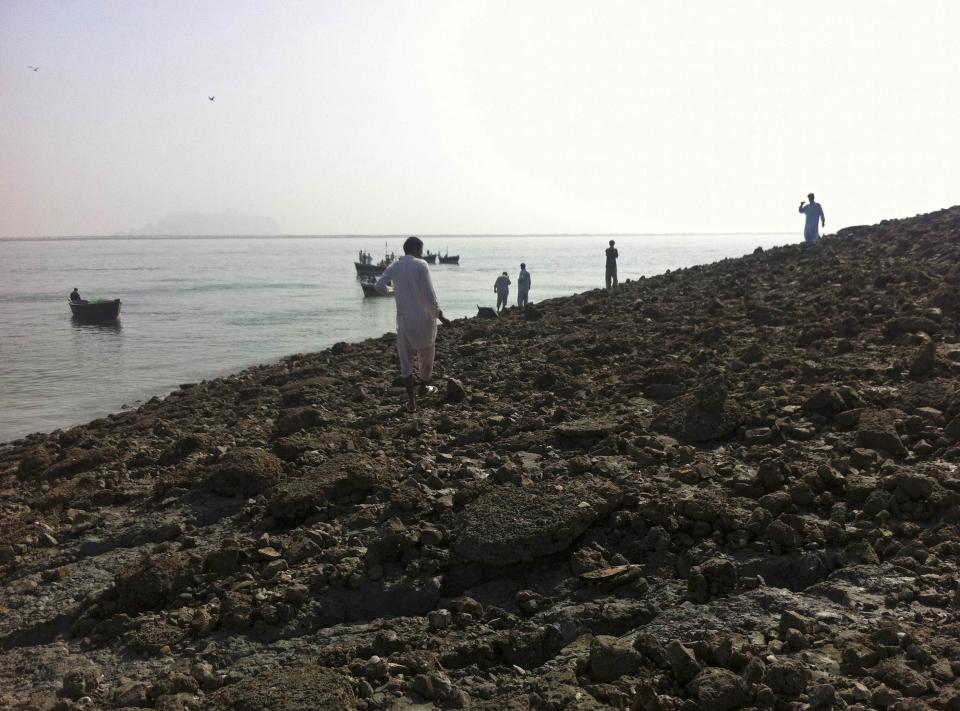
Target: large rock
column 296, row 499
column 299, row 418
column 79, row 460
column 511, row 525
column 683, row 662
column 877, row 430
column 720, row 690
column 244, row 472
column 153, row 583
column 611, row 658
column 909, row 324
column 700, row 416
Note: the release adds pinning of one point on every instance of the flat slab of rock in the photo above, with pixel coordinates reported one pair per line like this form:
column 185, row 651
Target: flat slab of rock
column 877, row 429
column 246, row 471
column 296, row 498
column 513, row 525
column 292, row 688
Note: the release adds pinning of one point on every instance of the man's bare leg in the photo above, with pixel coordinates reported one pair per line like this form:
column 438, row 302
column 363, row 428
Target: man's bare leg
column 409, row 383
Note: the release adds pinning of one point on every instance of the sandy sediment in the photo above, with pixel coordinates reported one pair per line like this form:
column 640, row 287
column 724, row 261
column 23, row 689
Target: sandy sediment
column 727, row 486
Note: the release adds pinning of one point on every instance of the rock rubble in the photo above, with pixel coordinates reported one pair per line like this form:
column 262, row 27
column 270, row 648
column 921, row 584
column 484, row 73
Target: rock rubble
column 727, row 486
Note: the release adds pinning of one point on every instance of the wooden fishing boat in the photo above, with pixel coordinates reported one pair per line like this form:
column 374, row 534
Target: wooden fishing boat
column 369, row 288
column 374, row 270
column 430, row 257
column 100, row 311
column 449, row 259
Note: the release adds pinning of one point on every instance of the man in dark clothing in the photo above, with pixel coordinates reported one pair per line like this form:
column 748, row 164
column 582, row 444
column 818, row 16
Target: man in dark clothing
column 523, row 287
column 611, row 275
column 502, row 287
column 75, row 297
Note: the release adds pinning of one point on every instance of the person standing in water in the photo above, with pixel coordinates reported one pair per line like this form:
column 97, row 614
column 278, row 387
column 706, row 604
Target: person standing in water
column 502, row 287
column 611, row 273
column 814, row 212
column 523, row 286
column 417, row 315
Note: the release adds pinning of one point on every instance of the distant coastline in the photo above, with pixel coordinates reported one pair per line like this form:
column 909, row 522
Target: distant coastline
column 58, row 238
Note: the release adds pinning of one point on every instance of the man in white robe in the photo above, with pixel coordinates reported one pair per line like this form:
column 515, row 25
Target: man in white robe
column 417, row 314
column 814, row 213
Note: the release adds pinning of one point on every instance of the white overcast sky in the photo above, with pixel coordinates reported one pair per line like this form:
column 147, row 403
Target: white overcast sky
column 487, row 116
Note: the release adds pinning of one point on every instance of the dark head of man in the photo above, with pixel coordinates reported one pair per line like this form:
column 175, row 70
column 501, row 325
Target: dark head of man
column 810, row 197
column 413, row 245
column 612, row 243
column 504, row 273
column 522, row 265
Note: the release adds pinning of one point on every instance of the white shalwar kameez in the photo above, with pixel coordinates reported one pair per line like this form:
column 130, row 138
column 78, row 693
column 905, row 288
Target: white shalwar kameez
column 417, row 310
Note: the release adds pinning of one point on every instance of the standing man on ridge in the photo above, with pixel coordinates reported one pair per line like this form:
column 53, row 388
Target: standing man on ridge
column 502, row 287
column 814, row 212
column 417, row 314
column 611, row 273
column 523, row 286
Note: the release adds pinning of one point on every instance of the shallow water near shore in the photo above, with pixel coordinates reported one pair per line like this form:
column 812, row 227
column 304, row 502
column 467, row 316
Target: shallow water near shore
column 197, row 308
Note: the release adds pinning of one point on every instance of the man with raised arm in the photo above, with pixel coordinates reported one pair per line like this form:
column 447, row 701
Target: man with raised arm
column 814, row 212
column 417, row 314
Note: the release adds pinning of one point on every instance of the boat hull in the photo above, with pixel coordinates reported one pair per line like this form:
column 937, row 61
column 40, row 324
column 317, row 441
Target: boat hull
column 369, row 269
column 450, row 260
column 369, row 290
column 96, row 312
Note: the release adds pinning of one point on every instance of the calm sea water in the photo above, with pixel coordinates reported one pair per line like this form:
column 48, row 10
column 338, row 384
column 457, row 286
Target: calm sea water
column 197, row 308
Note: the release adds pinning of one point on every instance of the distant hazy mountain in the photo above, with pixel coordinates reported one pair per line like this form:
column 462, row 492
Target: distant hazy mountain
column 208, row 223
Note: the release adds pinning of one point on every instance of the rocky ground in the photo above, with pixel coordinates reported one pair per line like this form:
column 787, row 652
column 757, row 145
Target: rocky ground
column 728, row 486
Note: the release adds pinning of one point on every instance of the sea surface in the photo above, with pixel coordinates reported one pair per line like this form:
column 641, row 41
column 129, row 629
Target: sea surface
column 201, row 307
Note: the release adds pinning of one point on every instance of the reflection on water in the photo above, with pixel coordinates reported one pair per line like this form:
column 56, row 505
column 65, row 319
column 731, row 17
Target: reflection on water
column 113, row 327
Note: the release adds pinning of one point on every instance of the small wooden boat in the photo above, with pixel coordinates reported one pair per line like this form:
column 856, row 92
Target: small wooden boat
column 365, row 269
column 100, row 311
column 430, row 257
column 449, row 259
column 369, row 289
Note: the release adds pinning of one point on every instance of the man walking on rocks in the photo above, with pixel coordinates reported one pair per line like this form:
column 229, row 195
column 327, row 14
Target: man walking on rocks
column 502, row 287
column 814, row 212
column 523, row 286
column 611, row 275
column 417, row 314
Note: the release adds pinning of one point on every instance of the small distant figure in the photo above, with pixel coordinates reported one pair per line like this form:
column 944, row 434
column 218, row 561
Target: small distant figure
column 611, row 274
column 814, row 212
column 36, row 69
column 417, row 315
column 75, row 297
column 502, row 287
column 523, row 286
column 211, row 98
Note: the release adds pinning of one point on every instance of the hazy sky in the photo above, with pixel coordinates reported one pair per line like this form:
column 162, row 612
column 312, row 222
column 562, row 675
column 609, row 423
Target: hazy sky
column 458, row 116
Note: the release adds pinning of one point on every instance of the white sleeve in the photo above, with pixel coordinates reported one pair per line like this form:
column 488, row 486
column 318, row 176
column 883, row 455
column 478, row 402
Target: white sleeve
column 381, row 285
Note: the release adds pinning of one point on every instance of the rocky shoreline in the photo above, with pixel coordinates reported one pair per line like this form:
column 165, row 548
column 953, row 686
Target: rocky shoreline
column 729, row 486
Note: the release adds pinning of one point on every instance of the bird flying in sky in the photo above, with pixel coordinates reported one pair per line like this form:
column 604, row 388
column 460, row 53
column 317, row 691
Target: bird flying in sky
column 211, row 98
column 34, row 68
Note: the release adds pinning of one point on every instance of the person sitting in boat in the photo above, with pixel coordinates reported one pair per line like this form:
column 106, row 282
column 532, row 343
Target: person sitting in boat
column 75, row 296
